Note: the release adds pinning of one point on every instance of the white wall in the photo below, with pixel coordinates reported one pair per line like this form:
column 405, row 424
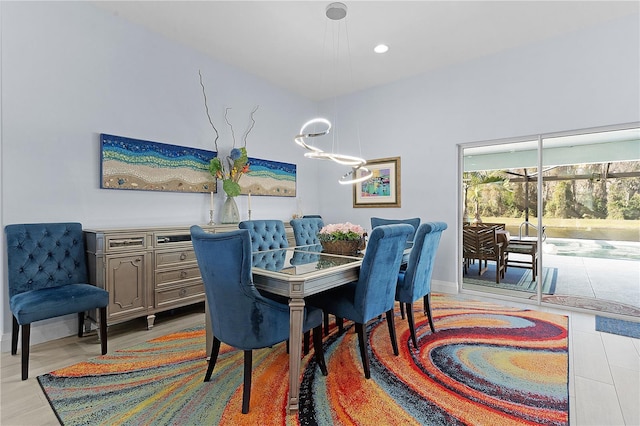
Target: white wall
column 70, row 72
column 585, row 79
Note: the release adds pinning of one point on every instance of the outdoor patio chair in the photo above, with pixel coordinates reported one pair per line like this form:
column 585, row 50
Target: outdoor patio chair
column 481, row 243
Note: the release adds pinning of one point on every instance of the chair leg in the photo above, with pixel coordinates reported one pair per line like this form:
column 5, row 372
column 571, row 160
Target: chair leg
column 392, row 332
column 246, row 390
column 326, row 324
column 427, row 311
column 364, row 353
column 319, row 350
column 103, row 330
column 412, row 327
column 215, row 349
column 14, row 336
column 26, row 334
column 306, row 342
column 80, row 323
column 340, row 322
column 401, row 310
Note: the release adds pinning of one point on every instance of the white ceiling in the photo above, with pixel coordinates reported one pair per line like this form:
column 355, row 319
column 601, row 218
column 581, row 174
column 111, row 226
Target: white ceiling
column 283, row 41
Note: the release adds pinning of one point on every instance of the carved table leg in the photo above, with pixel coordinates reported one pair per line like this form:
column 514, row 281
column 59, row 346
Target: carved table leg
column 296, row 310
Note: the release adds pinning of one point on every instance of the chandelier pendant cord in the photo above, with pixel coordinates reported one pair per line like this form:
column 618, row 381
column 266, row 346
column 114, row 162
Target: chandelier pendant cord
column 335, row 12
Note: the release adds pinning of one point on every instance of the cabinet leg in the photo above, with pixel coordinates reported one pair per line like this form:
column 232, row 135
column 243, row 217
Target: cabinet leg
column 150, row 320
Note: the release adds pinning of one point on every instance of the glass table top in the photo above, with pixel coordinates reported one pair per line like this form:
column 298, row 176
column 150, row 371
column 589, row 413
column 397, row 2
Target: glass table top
column 299, row 260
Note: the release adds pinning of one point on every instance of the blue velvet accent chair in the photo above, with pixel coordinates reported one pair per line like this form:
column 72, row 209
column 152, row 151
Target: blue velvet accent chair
column 415, row 222
column 47, row 272
column 268, row 235
column 374, row 292
column 415, row 281
column 305, row 230
column 240, row 316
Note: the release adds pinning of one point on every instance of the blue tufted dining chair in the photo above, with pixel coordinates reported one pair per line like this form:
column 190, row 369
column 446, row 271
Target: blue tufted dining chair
column 266, row 234
column 374, row 291
column 415, row 222
column 305, row 230
column 415, row 281
column 240, row 316
column 47, row 274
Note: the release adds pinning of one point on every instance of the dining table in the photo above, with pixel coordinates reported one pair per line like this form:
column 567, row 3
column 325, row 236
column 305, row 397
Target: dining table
column 296, row 273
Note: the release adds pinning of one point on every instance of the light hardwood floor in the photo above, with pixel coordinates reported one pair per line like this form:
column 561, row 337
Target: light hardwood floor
column 604, row 369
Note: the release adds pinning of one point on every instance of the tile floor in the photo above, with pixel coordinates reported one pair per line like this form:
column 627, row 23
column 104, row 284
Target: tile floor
column 604, row 370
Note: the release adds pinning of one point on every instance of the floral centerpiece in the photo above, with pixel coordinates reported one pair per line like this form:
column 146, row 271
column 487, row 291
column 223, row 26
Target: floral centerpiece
column 342, row 238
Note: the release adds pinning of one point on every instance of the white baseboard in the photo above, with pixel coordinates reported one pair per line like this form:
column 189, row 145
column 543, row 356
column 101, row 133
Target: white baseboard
column 447, row 287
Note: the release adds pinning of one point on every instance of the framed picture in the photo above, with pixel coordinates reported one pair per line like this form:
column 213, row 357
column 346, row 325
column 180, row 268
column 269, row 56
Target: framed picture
column 383, row 188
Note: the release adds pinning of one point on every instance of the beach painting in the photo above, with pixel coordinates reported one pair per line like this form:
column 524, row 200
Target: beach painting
column 127, row 163
column 267, row 177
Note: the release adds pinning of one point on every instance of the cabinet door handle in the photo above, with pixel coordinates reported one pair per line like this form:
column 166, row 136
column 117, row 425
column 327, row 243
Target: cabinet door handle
column 183, row 256
column 183, row 274
column 182, row 292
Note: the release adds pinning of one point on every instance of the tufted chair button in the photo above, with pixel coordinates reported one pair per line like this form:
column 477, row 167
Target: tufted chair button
column 58, row 243
column 40, row 268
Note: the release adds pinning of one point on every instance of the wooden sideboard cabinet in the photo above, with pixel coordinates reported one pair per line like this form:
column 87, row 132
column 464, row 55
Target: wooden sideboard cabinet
column 147, row 270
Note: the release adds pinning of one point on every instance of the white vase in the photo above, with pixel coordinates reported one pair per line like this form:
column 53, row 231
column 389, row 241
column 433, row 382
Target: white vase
column 230, row 211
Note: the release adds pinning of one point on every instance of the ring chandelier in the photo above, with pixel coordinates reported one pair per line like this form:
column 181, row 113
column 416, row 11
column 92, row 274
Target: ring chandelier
column 346, row 160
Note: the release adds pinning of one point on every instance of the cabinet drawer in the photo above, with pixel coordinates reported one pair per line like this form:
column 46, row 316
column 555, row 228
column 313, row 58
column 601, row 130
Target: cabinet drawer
column 173, row 276
column 175, row 257
column 128, row 242
column 180, row 295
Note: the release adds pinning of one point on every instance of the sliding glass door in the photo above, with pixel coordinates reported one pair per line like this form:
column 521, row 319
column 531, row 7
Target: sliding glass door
column 500, row 243
column 554, row 218
column 591, row 205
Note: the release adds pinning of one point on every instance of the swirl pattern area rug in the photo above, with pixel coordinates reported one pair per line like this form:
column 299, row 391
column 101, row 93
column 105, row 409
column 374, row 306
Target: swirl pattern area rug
column 486, row 364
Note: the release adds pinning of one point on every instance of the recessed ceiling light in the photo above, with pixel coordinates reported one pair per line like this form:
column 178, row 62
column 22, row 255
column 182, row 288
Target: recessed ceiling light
column 381, row 48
